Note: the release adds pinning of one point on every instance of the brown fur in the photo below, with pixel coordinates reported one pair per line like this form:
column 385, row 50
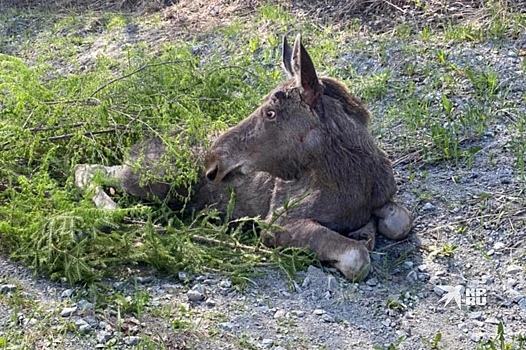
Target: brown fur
column 308, row 144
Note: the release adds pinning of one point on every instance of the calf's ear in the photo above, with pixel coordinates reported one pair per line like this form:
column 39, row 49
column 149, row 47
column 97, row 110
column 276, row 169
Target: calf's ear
column 305, row 73
column 287, row 58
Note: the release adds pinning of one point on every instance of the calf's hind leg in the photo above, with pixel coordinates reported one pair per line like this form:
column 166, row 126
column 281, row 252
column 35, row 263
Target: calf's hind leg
column 347, row 255
column 394, row 221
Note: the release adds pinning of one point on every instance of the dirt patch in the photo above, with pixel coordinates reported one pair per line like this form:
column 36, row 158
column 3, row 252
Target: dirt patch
column 84, row 6
column 380, row 15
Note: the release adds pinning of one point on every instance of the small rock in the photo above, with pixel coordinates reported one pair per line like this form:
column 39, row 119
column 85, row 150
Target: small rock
column 103, row 337
column 492, row 320
column 490, row 252
column 210, row 302
column 408, row 264
column 475, row 315
column 298, row 313
column 183, row 276
column 513, row 269
column 228, row 326
column 279, row 314
column 512, row 53
column 318, row 312
column 372, row 282
column 424, row 276
column 119, row 285
column 7, row 288
column 463, row 327
column 68, row 311
column 132, row 340
column 412, row 276
column 476, row 337
column 306, row 282
column 92, row 321
column 512, row 282
column 499, row 246
column 267, row 343
column 428, row 207
column 67, row 293
column 194, row 295
column 438, row 291
column 479, row 324
column 522, row 303
column 297, row 287
column 85, row 329
column 144, row 280
column 210, row 282
column 84, row 305
column 200, row 288
column 332, row 284
column 327, row 318
column 487, row 279
column 225, row 284
column 422, row 268
column 387, row 322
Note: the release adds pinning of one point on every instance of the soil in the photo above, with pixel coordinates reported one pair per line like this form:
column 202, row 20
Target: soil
column 400, row 303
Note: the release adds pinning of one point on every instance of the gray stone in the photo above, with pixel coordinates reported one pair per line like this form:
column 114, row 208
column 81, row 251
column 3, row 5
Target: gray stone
column 103, row 337
column 68, row 311
column 228, row 326
column 67, row 293
column 332, row 284
column 492, row 320
column 267, row 343
column 298, row 313
column 84, row 305
column 7, row 288
column 422, row 268
column 327, row 318
column 475, row 315
column 85, row 329
column 279, row 314
column 144, row 280
column 438, row 291
column 225, row 284
column 195, row 295
column 183, row 276
column 428, row 207
column 475, row 336
column 522, row 303
column 412, row 276
column 499, row 246
column 92, row 321
column 318, row 312
column 118, row 285
column 513, row 269
column 132, row 340
column 210, row 302
column 408, row 264
column 372, row 282
column 463, row 327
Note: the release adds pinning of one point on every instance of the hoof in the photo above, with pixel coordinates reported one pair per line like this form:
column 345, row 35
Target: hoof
column 395, row 221
column 354, row 262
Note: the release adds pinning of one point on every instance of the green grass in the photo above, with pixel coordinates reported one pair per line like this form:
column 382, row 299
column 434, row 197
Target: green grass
column 62, row 104
column 50, row 122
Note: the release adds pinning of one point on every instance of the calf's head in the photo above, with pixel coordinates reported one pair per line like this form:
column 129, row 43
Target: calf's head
column 283, row 135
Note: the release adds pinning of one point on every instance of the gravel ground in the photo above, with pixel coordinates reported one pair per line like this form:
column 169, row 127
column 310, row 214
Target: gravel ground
column 452, row 244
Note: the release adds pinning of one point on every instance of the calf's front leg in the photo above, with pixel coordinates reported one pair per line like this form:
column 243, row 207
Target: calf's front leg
column 347, row 255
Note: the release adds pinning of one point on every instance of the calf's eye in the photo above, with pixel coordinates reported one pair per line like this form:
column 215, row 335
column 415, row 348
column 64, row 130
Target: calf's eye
column 271, row 115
